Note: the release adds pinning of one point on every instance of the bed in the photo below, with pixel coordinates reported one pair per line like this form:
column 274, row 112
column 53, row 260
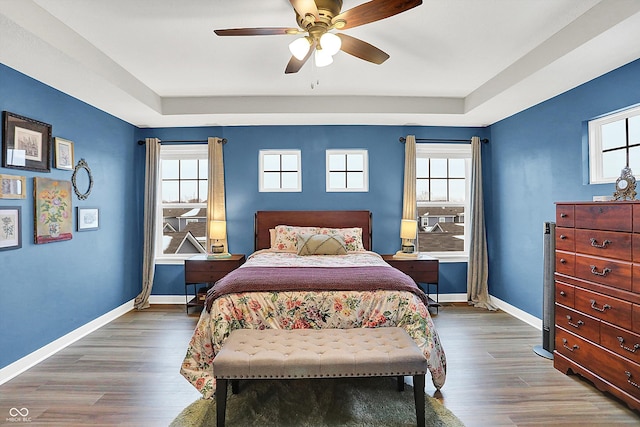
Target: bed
column 311, row 269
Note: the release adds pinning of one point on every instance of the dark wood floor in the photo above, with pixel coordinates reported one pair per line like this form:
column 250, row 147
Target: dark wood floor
column 126, row 374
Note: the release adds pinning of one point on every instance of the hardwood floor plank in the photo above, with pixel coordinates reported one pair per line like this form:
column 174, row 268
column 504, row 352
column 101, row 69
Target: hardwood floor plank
column 127, row 374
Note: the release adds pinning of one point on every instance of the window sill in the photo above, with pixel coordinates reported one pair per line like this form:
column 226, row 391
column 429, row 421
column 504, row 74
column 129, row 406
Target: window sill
column 447, row 257
column 172, row 261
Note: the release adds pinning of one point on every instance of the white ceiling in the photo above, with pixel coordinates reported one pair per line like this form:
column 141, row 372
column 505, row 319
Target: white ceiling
column 156, row 63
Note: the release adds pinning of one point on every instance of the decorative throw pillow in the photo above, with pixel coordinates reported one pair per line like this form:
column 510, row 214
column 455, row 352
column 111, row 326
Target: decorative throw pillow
column 320, row 244
column 286, row 239
column 352, row 237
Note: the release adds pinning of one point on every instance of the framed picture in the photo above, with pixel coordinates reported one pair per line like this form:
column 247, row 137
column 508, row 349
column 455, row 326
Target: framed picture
column 10, row 227
column 26, row 143
column 63, row 154
column 13, row 187
column 88, row 219
column 53, row 217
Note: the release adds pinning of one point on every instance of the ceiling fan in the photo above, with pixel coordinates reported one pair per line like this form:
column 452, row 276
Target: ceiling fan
column 317, row 18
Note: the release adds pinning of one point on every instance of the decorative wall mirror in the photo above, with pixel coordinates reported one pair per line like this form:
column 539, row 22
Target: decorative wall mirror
column 82, row 180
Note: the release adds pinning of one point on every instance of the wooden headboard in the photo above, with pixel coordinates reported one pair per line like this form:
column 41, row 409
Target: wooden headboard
column 266, row 220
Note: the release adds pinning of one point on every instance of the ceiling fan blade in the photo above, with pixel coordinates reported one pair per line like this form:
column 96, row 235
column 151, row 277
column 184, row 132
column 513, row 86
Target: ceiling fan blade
column 267, row 31
column 304, row 7
column 362, row 50
column 372, row 11
column 295, row 64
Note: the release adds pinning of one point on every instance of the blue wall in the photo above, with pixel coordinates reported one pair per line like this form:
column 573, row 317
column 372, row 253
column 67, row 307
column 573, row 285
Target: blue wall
column 539, row 157
column 51, row 289
column 384, row 199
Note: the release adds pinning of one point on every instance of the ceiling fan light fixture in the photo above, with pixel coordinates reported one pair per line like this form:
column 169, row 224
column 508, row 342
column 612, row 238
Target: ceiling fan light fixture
column 300, row 47
column 323, row 58
column 330, row 43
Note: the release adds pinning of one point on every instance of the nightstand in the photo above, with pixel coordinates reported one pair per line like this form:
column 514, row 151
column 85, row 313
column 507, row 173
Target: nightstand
column 423, row 270
column 202, row 273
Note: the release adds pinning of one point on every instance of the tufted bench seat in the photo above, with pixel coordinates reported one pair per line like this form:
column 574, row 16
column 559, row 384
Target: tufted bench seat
column 319, row 353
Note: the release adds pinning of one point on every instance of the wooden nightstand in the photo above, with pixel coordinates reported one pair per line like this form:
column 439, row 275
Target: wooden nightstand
column 198, row 270
column 423, row 269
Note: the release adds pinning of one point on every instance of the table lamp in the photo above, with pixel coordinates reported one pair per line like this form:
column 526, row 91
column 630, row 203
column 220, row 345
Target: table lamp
column 408, row 231
column 217, row 232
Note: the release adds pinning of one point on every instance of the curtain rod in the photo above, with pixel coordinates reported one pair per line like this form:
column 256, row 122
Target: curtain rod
column 141, row 142
column 403, row 139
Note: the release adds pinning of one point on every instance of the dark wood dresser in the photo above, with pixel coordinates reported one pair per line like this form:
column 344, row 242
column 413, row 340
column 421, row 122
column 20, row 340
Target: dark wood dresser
column 597, row 295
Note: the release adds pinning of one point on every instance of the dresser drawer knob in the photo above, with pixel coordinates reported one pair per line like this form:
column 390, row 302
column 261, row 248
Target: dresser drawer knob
column 575, row 325
column 629, row 379
column 563, row 294
column 563, row 261
column 572, row 348
column 603, row 273
column 632, row 350
column 563, row 237
column 604, row 244
column 563, row 215
column 594, row 305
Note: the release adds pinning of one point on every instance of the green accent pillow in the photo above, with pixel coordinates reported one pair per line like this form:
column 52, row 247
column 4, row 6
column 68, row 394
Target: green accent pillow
column 321, row 244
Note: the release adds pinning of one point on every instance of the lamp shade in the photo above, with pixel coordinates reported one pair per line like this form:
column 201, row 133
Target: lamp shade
column 299, row 48
column 330, row 43
column 408, row 229
column 217, row 230
column 323, row 58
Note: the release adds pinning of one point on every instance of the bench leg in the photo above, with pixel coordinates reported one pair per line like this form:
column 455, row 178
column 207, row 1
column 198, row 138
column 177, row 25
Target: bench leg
column 221, row 401
column 418, row 395
column 400, row 383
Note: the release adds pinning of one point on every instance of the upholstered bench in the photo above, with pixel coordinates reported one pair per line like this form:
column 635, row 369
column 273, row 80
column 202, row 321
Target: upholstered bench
column 319, row 353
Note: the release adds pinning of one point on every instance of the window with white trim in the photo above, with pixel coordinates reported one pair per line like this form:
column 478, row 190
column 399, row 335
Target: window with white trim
column 182, row 202
column 280, row 171
column 347, row 170
column 442, row 193
column 614, row 140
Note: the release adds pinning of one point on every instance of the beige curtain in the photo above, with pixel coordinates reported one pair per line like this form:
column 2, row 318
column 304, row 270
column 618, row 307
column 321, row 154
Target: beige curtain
column 215, row 199
column 152, row 167
column 409, row 194
column 478, row 266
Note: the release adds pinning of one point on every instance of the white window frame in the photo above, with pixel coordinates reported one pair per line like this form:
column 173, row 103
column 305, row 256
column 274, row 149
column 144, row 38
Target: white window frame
column 365, row 171
column 174, row 152
column 596, row 173
column 450, row 151
column 261, row 171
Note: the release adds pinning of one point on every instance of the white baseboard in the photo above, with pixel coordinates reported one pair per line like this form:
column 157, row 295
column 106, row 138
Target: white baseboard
column 32, row 359
column 168, row 299
column 517, row 313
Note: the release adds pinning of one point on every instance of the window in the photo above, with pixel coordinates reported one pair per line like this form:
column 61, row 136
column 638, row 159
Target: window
column 347, row 170
column 182, row 210
column 280, row 171
column 613, row 140
column 442, row 194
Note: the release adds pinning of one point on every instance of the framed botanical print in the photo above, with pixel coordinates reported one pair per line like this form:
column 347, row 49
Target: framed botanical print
column 53, row 216
column 10, row 227
column 26, row 143
column 63, row 154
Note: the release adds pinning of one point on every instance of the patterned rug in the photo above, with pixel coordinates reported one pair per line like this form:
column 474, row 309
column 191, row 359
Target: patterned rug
column 318, row 402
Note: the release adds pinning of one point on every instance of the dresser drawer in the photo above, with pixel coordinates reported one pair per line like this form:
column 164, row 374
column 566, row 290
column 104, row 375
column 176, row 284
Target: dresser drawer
column 635, row 318
column 617, row 370
column 635, row 280
column 203, row 276
column 608, row 244
column 620, row 341
column 604, row 270
column 565, row 294
column 575, row 348
column 636, row 246
column 636, row 218
column 565, row 239
column 578, row 323
column 566, row 263
column 564, row 215
column 604, row 216
column 610, row 309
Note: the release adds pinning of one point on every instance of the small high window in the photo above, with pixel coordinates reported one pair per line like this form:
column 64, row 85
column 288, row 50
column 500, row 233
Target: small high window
column 280, row 171
column 347, row 170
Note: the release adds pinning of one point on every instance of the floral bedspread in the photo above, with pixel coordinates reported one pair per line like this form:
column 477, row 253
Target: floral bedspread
column 291, row 310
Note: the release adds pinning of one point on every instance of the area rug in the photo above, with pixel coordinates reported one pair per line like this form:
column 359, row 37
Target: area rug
column 319, row 402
